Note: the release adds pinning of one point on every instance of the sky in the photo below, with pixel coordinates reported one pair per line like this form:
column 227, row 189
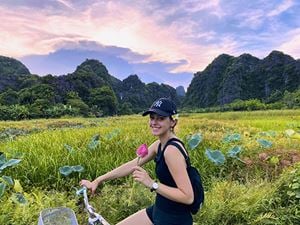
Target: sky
column 163, row 41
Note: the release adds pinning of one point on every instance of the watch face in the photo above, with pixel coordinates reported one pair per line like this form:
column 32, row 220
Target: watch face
column 155, row 185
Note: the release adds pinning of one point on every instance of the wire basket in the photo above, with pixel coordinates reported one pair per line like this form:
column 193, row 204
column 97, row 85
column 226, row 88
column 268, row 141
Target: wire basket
column 57, row 216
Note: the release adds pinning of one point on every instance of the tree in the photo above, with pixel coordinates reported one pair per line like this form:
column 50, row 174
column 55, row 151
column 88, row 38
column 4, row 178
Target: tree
column 125, row 109
column 9, row 97
column 105, row 99
column 292, row 100
column 76, row 102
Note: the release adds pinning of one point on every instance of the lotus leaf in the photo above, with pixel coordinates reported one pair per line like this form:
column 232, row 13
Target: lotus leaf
column 94, row 142
column 2, row 159
column 234, row 151
column 232, row 137
column 112, row 134
column 289, row 132
column 66, row 170
column 2, row 189
column 265, row 143
column 216, row 156
column 77, row 168
column 8, row 180
column 19, row 198
column 195, row 140
column 69, row 148
column 9, row 163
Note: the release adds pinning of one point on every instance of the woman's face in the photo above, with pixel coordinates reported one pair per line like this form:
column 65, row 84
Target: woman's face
column 160, row 125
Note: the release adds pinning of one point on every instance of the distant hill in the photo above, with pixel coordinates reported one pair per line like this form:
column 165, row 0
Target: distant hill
column 84, row 87
column 91, row 91
column 245, row 77
column 11, row 73
column 180, row 91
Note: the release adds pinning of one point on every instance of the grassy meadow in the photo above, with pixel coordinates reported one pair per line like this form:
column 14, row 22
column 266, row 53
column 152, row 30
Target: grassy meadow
column 258, row 185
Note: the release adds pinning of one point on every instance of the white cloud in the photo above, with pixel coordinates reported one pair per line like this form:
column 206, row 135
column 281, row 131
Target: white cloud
column 292, row 45
column 281, row 8
column 251, row 19
column 114, row 24
column 212, row 6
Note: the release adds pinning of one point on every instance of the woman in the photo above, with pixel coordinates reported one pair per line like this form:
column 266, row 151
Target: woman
column 174, row 192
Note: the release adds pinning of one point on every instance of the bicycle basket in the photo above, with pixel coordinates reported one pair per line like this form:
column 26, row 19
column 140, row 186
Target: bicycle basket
column 57, row 216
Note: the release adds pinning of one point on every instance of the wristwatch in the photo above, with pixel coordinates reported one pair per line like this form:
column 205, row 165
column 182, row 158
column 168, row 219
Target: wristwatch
column 154, row 187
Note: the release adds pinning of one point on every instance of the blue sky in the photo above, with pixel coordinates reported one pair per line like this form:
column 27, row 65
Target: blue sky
column 161, row 41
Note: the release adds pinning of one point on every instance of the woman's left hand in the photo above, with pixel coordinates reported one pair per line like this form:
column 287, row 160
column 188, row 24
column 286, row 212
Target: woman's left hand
column 141, row 175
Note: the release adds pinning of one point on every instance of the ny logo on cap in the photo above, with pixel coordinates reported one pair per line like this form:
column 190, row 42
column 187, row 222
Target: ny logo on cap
column 157, row 104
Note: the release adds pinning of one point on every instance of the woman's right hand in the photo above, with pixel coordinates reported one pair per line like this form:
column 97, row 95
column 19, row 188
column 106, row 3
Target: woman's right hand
column 92, row 186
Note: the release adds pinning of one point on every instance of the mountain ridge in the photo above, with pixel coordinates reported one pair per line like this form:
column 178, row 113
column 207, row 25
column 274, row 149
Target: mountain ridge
column 228, row 78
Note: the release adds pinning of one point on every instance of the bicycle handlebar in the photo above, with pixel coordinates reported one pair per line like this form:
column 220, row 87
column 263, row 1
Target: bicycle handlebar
column 93, row 216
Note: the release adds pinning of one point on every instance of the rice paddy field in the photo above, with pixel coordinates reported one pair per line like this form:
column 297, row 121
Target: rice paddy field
column 249, row 162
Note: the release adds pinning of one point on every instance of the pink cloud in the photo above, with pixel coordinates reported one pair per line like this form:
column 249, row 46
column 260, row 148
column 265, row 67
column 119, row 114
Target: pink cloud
column 26, row 32
column 285, row 5
column 292, row 45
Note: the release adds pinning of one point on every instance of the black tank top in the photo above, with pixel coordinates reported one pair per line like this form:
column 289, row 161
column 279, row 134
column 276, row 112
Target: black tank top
column 164, row 176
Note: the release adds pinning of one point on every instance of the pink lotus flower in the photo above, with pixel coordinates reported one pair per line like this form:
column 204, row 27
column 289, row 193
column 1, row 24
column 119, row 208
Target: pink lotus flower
column 141, row 152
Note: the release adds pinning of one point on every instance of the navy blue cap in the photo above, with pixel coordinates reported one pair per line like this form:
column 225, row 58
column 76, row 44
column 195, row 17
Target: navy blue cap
column 162, row 107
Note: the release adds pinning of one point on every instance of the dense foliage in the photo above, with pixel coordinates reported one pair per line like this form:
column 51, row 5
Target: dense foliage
column 89, row 91
column 228, row 83
column 245, row 77
column 256, row 182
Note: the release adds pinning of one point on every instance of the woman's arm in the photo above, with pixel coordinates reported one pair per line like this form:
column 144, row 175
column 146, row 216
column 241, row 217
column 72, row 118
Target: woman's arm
column 177, row 167
column 121, row 171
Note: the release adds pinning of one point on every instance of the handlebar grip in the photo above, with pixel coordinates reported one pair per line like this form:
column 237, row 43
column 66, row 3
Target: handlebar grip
column 81, row 191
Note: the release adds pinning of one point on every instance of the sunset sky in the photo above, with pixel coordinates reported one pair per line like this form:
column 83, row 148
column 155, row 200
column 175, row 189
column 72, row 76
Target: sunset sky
column 161, row 41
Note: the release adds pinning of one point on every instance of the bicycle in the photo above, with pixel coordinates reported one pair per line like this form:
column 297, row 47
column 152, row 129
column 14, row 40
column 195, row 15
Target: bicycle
column 66, row 216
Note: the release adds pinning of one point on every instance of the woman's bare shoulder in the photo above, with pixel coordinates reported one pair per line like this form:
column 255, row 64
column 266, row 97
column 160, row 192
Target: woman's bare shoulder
column 154, row 145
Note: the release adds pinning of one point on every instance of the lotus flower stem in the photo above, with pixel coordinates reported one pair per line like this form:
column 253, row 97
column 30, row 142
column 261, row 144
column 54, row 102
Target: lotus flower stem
column 141, row 152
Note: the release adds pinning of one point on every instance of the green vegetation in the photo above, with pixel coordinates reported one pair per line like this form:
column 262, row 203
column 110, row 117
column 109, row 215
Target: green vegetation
column 243, row 83
column 257, row 182
column 246, row 83
column 89, row 91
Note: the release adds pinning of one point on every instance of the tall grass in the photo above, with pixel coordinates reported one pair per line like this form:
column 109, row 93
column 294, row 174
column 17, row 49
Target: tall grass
column 236, row 193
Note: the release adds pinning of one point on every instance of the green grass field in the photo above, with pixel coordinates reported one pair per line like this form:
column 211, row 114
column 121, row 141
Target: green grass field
column 259, row 186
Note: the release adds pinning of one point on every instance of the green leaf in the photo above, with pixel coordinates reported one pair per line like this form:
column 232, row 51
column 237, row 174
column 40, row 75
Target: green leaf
column 8, row 180
column 290, row 193
column 94, row 142
column 265, row 143
column 113, row 134
column 215, row 156
column 295, row 186
column 18, row 187
column 297, row 194
column 2, row 159
column 274, row 160
column 10, row 163
column 65, row 170
column 18, row 198
column 296, row 136
column 269, row 133
column 232, row 137
column 2, row 189
column 69, row 148
column 78, row 168
column 289, row 132
column 195, row 140
column 234, row 151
